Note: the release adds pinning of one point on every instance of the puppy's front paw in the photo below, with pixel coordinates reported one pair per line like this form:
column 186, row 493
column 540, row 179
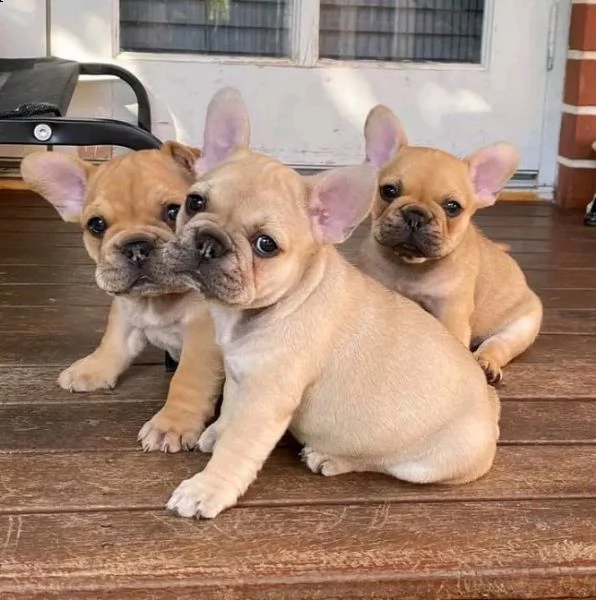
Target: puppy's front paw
column 492, row 370
column 171, row 430
column 324, row 464
column 87, row 375
column 202, row 496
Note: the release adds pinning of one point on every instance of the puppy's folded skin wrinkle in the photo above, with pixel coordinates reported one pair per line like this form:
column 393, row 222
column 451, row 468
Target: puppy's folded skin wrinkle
column 126, row 208
column 312, row 344
column 467, row 281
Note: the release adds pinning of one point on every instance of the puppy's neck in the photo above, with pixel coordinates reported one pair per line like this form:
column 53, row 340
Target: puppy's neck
column 166, row 308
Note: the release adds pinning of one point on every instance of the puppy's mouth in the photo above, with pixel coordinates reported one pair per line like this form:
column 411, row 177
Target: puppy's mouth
column 414, row 246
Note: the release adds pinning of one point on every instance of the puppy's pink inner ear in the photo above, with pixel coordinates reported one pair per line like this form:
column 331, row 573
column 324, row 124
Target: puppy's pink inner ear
column 490, row 169
column 382, row 148
column 60, row 179
column 340, row 200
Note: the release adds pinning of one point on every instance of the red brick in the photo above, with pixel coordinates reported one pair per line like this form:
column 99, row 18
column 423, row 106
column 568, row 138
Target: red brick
column 580, row 82
column 575, row 187
column 582, row 33
column 578, row 133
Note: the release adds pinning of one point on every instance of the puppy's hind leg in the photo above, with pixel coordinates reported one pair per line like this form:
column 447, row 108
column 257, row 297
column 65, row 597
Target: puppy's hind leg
column 460, row 453
column 331, row 465
column 513, row 339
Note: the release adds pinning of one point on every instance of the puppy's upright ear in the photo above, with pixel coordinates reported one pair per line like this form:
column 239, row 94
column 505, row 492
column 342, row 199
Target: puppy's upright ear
column 227, row 128
column 184, row 156
column 490, row 169
column 339, row 200
column 60, row 178
column 384, row 135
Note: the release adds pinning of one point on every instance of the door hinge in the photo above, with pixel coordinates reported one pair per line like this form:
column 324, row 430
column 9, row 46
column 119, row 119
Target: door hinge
column 552, row 35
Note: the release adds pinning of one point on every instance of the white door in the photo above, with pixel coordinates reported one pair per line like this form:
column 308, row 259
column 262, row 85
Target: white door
column 460, row 73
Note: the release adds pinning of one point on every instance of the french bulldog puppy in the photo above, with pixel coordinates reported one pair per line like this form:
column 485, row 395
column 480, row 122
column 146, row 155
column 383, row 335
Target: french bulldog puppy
column 310, row 343
column 424, row 245
column 127, row 209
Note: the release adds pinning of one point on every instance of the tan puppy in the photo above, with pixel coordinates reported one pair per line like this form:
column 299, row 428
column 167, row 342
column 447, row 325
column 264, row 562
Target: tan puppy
column 423, row 244
column 127, row 209
column 309, row 342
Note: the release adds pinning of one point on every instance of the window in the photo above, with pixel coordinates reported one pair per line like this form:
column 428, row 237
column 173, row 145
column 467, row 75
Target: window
column 387, row 30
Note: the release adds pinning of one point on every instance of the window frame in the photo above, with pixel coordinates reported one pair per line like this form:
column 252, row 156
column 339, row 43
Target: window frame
column 304, row 35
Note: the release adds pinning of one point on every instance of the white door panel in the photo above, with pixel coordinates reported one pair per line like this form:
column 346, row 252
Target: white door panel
column 313, row 114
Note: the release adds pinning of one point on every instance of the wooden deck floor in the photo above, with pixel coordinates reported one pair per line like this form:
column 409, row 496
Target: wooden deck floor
column 81, row 508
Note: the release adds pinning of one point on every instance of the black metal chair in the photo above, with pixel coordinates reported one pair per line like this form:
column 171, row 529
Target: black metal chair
column 35, row 94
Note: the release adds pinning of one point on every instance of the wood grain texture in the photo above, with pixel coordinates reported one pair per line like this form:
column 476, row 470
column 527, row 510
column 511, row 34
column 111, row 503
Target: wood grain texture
column 112, row 425
column 111, row 480
column 489, row 542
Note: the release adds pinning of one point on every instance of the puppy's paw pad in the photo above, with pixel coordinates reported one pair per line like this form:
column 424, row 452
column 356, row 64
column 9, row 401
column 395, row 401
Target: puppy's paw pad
column 493, row 372
column 170, row 431
column 209, row 438
column 201, row 497
column 86, row 376
column 323, row 464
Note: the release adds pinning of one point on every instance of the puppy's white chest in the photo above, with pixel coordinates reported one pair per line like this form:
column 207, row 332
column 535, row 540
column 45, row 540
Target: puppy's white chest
column 162, row 326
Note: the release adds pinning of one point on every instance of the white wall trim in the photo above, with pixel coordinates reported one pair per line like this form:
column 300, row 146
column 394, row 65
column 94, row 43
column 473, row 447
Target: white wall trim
column 551, row 121
column 570, row 109
column 575, row 163
column 581, row 54
column 583, row 2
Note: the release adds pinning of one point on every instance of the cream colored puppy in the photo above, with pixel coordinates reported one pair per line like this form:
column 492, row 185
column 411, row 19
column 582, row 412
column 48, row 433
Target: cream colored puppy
column 127, row 210
column 309, row 342
column 424, row 245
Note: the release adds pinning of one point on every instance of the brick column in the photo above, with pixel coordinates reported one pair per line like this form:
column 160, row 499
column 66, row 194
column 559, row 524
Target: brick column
column 577, row 158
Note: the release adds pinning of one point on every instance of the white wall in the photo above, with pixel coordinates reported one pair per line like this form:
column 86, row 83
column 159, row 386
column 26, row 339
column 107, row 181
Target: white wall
column 22, row 35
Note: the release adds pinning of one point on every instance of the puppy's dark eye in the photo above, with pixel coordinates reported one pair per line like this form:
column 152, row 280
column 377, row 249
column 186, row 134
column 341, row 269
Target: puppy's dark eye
column 452, row 208
column 195, row 203
column 390, row 192
column 97, row 226
column 265, row 246
column 170, row 212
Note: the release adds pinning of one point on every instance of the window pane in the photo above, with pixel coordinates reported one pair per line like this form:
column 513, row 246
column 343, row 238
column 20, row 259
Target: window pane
column 395, row 30
column 233, row 27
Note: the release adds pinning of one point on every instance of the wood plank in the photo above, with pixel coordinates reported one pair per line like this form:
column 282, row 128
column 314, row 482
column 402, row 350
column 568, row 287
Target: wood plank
column 19, row 255
column 579, row 321
column 48, row 348
column 37, row 385
column 562, row 379
column 47, row 275
column 518, row 473
column 11, row 275
column 561, row 278
column 38, row 295
column 113, row 480
column 114, row 425
column 85, row 314
column 493, row 546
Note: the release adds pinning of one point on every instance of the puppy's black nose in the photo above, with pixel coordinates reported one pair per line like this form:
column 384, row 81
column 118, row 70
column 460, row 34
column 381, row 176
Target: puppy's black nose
column 415, row 218
column 137, row 251
column 209, row 246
